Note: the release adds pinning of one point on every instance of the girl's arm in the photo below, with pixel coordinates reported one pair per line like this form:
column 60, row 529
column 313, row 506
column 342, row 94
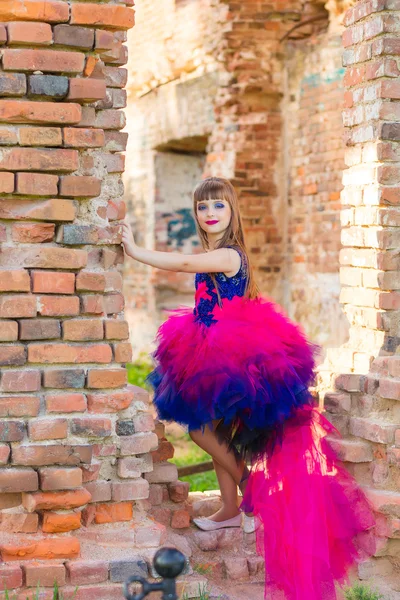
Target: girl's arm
column 223, row 260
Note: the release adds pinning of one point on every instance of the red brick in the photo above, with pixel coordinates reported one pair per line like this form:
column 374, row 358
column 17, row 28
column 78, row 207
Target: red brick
column 54, row 478
column 8, row 331
column 10, row 577
column 180, row 519
column 115, row 17
column 47, row 258
column 37, row 184
column 53, row 282
column 39, row 329
column 12, row 431
column 37, row 575
column 99, row 490
column 19, row 523
column 47, row 210
column 65, row 403
column 42, row 136
column 58, row 306
column 64, row 378
column 19, row 406
column 34, row 10
column 12, row 84
column 143, row 422
column 48, row 429
column 6, row 183
column 104, row 40
column 66, row 500
column 35, row 34
column 109, row 402
column 90, row 282
column 17, row 306
column 12, row 355
column 53, row 61
column 139, row 443
column 165, row 451
column 374, row 431
column 15, row 281
column 106, row 378
column 83, row 89
column 114, row 303
column 68, row 353
column 123, row 352
column 83, row 138
column 86, row 572
column 33, row 233
column 78, row 37
column 26, row 111
column 90, row 472
column 83, row 329
column 116, row 210
column 92, row 304
column 116, row 141
column 51, row 454
column 48, row 548
column 10, row 500
column 20, row 381
column 18, row 480
column 91, row 427
column 114, row 163
column 80, row 186
column 112, row 513
column 110, row 119
column 130, row 490
column 8, row 136
column 116, row 329
column 61, row 523
column 389, row 388
column 5, row 451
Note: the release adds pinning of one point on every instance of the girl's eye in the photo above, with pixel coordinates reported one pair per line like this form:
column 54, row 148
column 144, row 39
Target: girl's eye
column 201, row 207
column 219, row 205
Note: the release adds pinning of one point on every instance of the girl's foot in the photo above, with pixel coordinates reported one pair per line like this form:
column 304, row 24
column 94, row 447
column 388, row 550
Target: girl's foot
column 209, row 525
column 224, row 514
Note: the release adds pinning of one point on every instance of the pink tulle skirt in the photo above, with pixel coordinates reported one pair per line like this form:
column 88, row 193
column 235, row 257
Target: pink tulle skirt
column 251, row 369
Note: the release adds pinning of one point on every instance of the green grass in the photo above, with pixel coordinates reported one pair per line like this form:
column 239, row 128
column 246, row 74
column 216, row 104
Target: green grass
column 138, row 371
column 57, row 595
column 361, row 592
column 203, row 594
column 187, row 453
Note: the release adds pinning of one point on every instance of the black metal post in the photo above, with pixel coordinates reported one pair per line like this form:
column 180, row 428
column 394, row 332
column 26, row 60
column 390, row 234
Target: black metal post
column 169, row 563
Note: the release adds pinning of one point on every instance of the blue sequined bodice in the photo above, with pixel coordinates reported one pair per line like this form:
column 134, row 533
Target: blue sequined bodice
column 206, row 297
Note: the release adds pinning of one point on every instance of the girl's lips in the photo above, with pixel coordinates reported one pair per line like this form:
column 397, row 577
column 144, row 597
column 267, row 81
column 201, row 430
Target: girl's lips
column 211, row 222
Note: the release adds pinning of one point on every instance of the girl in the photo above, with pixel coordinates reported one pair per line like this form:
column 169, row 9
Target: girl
column 236, row 372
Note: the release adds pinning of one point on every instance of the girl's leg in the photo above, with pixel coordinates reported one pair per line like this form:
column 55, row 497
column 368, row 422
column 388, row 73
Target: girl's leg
column 229, row 495
column 229, row 470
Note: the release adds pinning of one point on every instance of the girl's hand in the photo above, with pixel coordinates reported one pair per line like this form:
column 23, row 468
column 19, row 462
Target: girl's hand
column 128, row 240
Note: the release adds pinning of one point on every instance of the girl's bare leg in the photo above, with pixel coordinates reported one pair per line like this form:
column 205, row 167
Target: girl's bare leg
column 229, row 471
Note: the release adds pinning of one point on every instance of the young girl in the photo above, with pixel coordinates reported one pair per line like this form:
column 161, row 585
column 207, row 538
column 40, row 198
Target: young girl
column 236, row 372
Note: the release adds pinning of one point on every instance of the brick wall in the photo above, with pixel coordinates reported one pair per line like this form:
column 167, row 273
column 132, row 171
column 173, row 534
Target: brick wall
column 173, row 71
column 75, row 440
column 362, row 376
column 313, row 140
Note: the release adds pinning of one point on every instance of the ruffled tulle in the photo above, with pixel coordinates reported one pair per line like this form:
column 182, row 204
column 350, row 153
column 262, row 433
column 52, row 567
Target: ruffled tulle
column 252, row 367
column 316, row 521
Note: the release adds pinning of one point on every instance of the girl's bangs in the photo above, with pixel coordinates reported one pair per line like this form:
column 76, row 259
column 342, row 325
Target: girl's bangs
column 209, row 190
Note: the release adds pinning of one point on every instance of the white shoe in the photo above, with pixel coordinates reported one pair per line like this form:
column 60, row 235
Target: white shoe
column 250, row 525
column 209, row 525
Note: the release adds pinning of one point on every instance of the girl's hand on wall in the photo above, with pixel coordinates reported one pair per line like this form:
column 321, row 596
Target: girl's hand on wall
column 128, row 240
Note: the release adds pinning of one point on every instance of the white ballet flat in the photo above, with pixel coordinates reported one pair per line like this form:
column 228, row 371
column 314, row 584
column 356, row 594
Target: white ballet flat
column 250, row 524
column 209, row 525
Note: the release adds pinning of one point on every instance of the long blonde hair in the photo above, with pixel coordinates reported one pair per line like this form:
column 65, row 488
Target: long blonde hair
column 218, row 188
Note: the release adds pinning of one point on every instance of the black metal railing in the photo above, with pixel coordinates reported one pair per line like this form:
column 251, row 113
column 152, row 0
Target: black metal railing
column 168, row 563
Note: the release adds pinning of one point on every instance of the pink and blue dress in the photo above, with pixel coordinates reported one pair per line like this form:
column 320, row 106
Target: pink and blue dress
column 244, row 363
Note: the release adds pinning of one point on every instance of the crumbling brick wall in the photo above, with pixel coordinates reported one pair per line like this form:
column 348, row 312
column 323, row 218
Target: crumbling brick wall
column 75, row 439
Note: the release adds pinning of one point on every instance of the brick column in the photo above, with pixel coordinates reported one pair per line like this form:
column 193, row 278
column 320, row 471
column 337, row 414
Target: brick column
column 365, row 372
column 67, row 414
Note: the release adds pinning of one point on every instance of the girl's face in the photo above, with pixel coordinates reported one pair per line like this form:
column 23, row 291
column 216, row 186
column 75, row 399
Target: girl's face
column 214, row 216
